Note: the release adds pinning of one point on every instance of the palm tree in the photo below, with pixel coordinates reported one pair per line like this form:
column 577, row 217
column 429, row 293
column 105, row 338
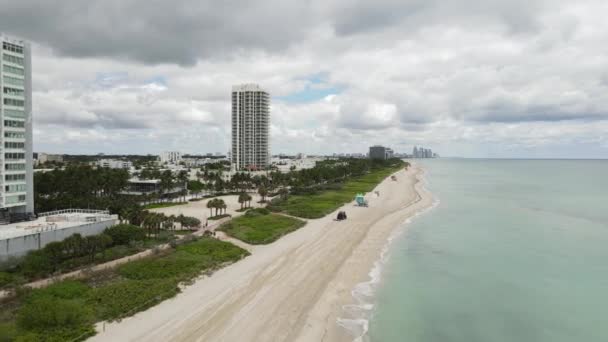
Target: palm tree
column 211, row 205
column 263, row 192
column 182, row 177
column 167, row 182
column 220, row 205
column 242, row 199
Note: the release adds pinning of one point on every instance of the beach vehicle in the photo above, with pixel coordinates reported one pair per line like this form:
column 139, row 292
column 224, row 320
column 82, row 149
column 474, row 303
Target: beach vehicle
column 360, row 200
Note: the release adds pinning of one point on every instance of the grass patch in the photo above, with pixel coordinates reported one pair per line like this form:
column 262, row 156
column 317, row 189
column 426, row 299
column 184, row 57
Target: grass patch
column 126, row 297
column 322, row 203
column 67, row 310
column 218, row 217
column 163, row 205
column 260, row 226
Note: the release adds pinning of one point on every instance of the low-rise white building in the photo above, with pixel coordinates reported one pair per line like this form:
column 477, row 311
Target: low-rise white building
column 17, row 239
column 115, row 163
column 42, row 158
column 288, row 164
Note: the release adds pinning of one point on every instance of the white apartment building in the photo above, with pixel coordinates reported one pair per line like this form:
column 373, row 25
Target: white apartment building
column 16, row 171
column 171, row 157
column 45, row 157
column 115, row 163
column 250, row 122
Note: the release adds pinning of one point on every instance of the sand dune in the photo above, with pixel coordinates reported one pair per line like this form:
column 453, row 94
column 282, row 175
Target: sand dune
column 291, row 290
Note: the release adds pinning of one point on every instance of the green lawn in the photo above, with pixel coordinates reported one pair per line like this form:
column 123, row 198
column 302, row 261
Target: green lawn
column 260, row 227
column 66, row 311
column 163, row 205
column 325, row 202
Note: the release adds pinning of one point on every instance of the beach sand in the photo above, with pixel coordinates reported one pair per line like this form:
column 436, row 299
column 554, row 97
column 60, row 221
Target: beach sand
column 291, row 290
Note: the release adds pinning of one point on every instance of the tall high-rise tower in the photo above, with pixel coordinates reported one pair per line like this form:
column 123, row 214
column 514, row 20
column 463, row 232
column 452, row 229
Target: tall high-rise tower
column 250, row 120
column 16, row 173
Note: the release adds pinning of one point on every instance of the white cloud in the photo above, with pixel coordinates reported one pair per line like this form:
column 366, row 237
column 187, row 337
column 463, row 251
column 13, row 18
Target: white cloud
column 467, row 78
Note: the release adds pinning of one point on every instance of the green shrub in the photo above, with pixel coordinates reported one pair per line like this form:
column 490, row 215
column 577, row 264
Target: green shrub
column 255, row 227
column 8, row 331
column 78, row 333
column 123, row 234
column 215, row 250
column 158, row 268
column 187, row 262
column 6, row 279
column 67, row 289
column 36, row 264
column 257, row 212
column 126, row 297
column 46, row 313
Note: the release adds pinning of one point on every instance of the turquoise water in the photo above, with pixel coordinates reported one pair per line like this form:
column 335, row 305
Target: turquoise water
column 517, row 250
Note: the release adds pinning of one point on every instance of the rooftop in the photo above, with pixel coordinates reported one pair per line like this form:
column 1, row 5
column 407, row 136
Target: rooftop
column 54, row 220
column 247, row 87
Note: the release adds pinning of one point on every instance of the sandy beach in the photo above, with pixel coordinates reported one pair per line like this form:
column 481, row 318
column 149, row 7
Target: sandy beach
column 291, row 290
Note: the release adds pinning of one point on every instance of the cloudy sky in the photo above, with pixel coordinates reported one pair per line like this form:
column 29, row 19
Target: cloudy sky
column 473, row 78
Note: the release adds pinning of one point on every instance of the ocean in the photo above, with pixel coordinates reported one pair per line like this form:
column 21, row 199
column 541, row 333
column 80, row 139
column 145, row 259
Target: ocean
column 515, row 250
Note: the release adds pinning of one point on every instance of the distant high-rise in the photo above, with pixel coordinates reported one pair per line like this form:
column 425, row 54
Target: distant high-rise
column 170, row 157
column 380, row 152
column 421, row 152
column 250, row 121
column 17, row 190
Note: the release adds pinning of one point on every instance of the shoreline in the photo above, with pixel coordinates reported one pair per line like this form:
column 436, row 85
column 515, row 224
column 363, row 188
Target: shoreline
column 292, row 289
column 348, row 318
column 360, row 311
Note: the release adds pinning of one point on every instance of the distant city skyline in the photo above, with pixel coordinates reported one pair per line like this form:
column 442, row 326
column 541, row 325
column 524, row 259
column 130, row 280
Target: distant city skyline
column 470, row 79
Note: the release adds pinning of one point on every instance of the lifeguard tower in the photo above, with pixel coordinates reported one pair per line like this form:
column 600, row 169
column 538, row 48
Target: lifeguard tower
column 360, row 200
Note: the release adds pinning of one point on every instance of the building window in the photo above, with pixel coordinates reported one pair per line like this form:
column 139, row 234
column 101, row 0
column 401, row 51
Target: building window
column 11, row 144
column 12, row 59
column 12, row 47
column 14, row 156
column 15, row 199
column 13, row 81
column 15, row 188
column 14, row 113
column 13, row 91
column 14, row 123
column 14, row 135
column 14, row 167
column 13, row 70
column 14, row 178
column 14, row 102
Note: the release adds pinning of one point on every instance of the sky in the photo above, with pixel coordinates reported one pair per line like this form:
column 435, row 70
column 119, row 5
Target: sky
column 485, row 78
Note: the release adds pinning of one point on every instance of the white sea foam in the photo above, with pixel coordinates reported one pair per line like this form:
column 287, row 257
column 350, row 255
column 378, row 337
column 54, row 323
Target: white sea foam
column 358, row 315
